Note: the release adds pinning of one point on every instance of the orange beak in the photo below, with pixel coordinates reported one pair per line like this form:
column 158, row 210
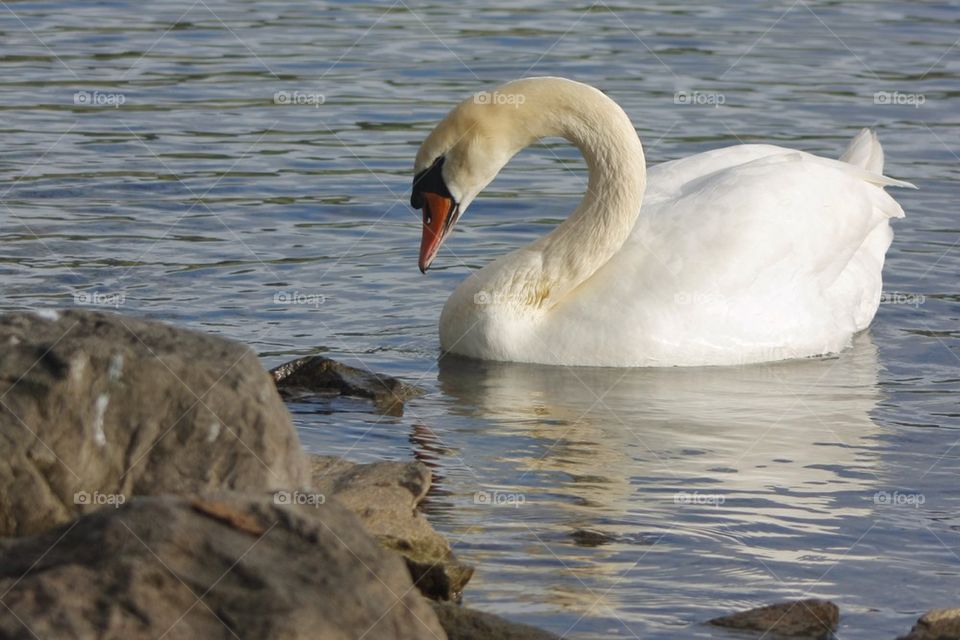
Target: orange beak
column 438, row 214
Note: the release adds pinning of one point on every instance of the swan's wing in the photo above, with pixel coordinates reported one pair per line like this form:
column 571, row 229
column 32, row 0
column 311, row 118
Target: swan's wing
column 786, row 214
column 780, row 248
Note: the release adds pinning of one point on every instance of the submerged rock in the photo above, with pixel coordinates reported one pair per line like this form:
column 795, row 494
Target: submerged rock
column 591, row 537
column 98, row 407
column 461, row 623
column 385, row 496
column 810, row 618
column 936, row 624
column 317, row 375
column 220, row 566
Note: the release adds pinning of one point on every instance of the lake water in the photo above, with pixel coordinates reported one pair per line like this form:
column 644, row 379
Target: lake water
column 146, row 164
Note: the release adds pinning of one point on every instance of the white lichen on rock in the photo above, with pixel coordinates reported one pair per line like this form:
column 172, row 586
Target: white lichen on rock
column 78, row 367
column 47, row 314
column 115, row 369
column 100, row 409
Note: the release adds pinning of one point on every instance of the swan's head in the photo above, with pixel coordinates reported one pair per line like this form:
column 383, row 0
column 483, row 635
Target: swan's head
column 460, row 157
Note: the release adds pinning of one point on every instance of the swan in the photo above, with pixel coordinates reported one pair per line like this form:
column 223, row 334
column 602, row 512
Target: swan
column 748, row 253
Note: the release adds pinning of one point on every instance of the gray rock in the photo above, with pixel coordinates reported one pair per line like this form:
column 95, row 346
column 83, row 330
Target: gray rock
column 810, row 618
column 461, row 623
column 317, row 375
column 224, row 566
column 97, row 407
column 936, row 624
column 385, row 496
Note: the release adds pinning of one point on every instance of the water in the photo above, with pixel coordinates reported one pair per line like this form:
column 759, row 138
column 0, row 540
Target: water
column 640, row 502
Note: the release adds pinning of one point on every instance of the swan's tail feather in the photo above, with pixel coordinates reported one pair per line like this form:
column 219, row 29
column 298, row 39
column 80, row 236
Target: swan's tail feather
column 865, row 152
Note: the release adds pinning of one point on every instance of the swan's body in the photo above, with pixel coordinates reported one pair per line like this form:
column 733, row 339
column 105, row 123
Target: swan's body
column 744, row 254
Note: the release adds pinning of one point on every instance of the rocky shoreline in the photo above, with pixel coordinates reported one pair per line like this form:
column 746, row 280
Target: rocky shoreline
column 152, row 484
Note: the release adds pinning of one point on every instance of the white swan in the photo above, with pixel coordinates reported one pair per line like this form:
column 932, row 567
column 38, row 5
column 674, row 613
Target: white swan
column 748, row 253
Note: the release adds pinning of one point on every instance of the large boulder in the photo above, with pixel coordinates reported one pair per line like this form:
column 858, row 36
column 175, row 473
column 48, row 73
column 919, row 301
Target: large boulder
column 385, row 495
column 98, row 407
column 222, row 566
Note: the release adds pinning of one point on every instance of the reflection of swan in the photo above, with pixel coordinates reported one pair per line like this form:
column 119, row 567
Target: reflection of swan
column 788, row 447
column 744, row 254
column 787, row 424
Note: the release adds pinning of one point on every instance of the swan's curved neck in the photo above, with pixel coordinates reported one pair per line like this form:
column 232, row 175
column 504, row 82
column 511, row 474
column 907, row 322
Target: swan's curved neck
column 596, row 230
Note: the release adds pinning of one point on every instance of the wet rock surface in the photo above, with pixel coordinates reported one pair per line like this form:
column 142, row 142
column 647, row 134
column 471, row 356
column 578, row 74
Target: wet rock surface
column 462, row 623
column 218, row 566
column 810, row 618
column 318, row 375
column 98, row 407
column 385, row 496
column 936, row 624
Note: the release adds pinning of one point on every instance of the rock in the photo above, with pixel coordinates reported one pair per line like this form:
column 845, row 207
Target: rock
column 936, row 624
column 461, row 623
column 591, row 537
column 97, row 407
column 382, row 484
column 220, row 566
column 810, row 618
column 317, row 375
column 385, row 496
